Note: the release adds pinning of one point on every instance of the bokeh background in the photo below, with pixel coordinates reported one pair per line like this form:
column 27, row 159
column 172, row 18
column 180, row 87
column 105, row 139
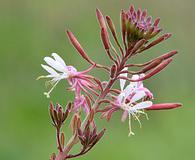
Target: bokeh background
column 32, row 29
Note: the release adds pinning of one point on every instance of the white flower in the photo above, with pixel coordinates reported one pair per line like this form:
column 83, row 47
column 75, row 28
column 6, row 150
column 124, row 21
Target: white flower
column 130, row 99
column 57, row 70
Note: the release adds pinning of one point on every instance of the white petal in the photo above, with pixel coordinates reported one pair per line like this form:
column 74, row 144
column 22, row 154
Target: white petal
column 50, row 70
column 138, row 95
column 122, row 81
column 58, row 59
column 135, row 77
column 142, row 105
column 128, row 90
column 56, row 65
column 121, row 98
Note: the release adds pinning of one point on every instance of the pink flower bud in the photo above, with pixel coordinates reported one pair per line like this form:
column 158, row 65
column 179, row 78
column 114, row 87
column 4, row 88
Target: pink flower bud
column 78, row 47
column 105, row 39
column 100, row 18
column 151, row 65
column 158, row 40
column 168, row 55
column 155, row 71
column 164, row 106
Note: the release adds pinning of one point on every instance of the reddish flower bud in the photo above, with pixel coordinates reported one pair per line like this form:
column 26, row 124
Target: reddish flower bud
column 156, row 22
column 100, row 18
column 78, row 47
column 105, row 39
column 138, row 45
column 168, row 55
column 111, row 26
column 155, row 71
column 123, row 25
column 158, row 40
column 164, row 106
column 112, row 71
column 151, row 65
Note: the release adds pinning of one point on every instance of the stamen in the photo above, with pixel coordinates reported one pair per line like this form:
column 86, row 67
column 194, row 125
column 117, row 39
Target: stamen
column 130, row 130
column 48, row 93
column 137, row 120
column 40, row 77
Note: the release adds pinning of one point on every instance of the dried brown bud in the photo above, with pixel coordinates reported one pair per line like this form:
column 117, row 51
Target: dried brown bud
column 73, row 123
column 53, row 156
column 100, row 135
column 62, row 139
column 91, row 116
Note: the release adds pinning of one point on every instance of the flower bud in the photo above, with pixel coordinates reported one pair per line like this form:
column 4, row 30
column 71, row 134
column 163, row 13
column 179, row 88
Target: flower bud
column 78, row 47
column 155, row 71
column 105, row 39
column 164, row 106
column 151, row 65
column 100, row 18
column 112, row 71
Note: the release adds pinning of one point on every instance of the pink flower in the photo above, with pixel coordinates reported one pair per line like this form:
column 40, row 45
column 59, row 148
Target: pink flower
column 131, row 99
column 58, row 71
column 80, row 102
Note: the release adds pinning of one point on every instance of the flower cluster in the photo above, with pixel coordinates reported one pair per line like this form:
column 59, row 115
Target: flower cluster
column 93, row 96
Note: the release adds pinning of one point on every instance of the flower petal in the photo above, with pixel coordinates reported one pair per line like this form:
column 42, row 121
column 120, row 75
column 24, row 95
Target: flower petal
column 50, row 70
column 138, row 95
column 122, row 81
column 143, row 105
column 56, row 65
column 128, row 90
column 121, row 98
column 58, row 59
column 124, row 116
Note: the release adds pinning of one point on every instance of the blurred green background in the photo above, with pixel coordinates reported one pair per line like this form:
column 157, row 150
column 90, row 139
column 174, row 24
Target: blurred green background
column 32, row 29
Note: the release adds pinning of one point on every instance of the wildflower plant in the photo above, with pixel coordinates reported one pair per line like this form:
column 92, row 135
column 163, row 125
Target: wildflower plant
column 93, row 96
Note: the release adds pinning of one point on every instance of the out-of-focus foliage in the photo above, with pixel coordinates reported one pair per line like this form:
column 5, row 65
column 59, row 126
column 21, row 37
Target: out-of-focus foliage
column 30, row 30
